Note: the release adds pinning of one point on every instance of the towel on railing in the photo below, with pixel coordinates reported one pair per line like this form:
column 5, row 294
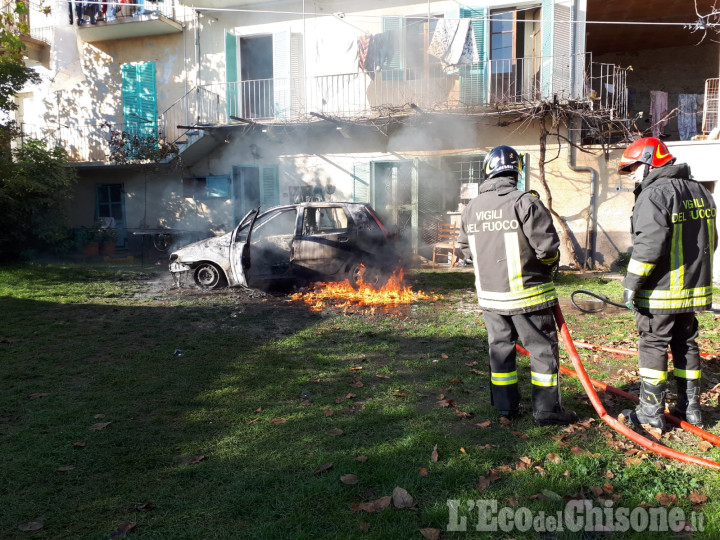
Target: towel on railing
column 688, row 115
column 658, row 111
column 453, row 42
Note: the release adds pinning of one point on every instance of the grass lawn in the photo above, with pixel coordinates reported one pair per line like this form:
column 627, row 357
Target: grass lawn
column 132, row 408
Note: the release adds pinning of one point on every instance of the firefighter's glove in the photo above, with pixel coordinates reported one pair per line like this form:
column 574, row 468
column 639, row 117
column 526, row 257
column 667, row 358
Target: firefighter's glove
column 629, row 299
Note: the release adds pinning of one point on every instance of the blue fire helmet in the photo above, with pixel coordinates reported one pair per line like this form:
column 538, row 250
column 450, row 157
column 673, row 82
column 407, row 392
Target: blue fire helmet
column 502, row 159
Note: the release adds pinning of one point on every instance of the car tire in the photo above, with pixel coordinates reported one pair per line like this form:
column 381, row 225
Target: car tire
column 375, row 278
column 355, row 274
column 208, row 276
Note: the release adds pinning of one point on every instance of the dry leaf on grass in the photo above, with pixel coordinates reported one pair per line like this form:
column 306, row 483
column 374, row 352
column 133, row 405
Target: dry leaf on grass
column 66, row 468
column 484, row 424
column 334, row 432
column 697, row 498
column 372, row 506
column 251, row 422
column 196, row 459
column 38, row 395
column 30, row 526
column 554, row 458
column 482, row 483
column 505, row 421
column 79, row 444
column 322, row 468
column 328, row 412
column 704, row 446
column 434, row 454
column 666, row 499
column 577, row 450
column 521, row 435
column 361, row 459
column 122, row 529
column 422, row 471
column 145, row 507
column 278, row 420
column 382, row 376
column 430, row 534
column 456, row 381
column 401, row 498
column 462, row 414
column 446, row 402
column 99, row 426
column 349, row 479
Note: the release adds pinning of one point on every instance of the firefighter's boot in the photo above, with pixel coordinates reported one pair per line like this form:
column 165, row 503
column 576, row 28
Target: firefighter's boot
column 688, row 401
column 547, row 410
column 651, row 408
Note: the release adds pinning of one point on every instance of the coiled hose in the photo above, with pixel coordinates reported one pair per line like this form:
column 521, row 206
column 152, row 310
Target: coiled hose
column 604, row 299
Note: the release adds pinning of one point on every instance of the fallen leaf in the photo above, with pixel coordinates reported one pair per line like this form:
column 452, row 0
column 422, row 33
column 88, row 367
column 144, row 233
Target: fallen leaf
column 505, row 421
column 196, row 459
column 30, row 526
column 704, row 446
column 482, row 483
column 145, row 507
column 350, row 396
column 252, row 421
column 521, row 434
column 655, row 433
column 401, row 498
column 434, row 455
column 697, row 498
column 609, row 474
column 364, row 525
column 99, row 426
column 259, row 409
column 577, row 450
column 526, row 460
column 551, row 495
column 278, row 420
column 444, row 356
column 361, row 459
column 462, row 450
column 430, row 534
column 633, row 461
column 122, row 529
column 38, row 395
column 399, row 394
column 422, row 471
column 66, row 468
column 446, row 402
column 554, row 458
column 512, row 501
column 382, row 376
column 567, row 473
column 99, row 416
column 539, row 470
column 463, row 414
column 666, row 499
column 484, row 424
column 328, row 412
column 322, row 468
column 357, row 384
column 349, row 479
column 608, row 488
column 372, row 506
column 493, row 475
column 357, row 368
column 334, row 431
column 79, row 444
column 456, row 381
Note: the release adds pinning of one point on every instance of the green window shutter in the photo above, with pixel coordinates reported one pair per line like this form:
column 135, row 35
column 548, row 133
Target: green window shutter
column 131, row 105
column 269, row 192
column 282, row 76
column 361, row 182
column 521, row 177
column 473, row 84
column 231, row 75
column 147, row 102
column 392, row 71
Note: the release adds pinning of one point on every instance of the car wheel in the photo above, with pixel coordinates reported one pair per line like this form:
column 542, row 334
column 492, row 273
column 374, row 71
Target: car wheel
column 355, row 274
column 375, row 278
column 209, row 276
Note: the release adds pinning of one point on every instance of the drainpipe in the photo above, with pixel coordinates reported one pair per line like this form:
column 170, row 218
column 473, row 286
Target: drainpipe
column 591, row 232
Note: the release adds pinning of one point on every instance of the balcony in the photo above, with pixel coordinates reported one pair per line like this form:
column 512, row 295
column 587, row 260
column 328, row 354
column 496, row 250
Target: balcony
column 132, row 20
column 505, row 86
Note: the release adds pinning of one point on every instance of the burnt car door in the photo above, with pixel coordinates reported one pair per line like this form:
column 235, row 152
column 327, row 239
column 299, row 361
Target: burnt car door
column 240, row 248
column 325, row 242
column 266, row 247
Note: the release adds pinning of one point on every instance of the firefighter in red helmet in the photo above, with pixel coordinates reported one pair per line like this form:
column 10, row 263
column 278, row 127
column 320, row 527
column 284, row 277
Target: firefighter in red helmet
column 669, row 277
column 514, row 247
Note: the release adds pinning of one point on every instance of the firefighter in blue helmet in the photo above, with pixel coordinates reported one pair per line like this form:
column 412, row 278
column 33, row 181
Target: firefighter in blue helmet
column 669, row 276
column 514, row 247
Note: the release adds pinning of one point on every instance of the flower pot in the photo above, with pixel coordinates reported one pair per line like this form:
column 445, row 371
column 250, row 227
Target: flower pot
column 91, row 249
column 107, row 248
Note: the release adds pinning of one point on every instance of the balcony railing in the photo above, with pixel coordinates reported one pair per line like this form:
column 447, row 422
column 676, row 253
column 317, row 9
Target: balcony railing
column 496, row 84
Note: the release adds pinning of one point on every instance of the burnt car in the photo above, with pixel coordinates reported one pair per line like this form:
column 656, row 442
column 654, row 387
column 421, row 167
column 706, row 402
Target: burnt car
column 293, row 245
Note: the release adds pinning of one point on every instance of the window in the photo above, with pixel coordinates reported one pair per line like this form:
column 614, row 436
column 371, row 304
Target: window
column 324, row 220
column 410, row 60
column 212, row 187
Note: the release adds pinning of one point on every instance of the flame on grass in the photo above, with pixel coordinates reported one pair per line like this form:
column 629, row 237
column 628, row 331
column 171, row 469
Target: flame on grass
column 342, row 295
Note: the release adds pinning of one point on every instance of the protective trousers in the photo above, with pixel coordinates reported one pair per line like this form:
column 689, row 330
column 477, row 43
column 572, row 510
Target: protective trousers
column 679, row 331
column 537, row 332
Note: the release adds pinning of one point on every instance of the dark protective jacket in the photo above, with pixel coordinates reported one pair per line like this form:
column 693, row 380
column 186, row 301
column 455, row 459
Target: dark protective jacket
column 674, row 237
column 513, row 243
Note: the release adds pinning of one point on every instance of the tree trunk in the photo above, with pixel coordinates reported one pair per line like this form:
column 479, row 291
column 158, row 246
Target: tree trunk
column 565, row 230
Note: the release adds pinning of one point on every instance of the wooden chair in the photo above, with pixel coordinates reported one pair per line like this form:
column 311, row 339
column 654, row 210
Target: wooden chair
column 446, row 241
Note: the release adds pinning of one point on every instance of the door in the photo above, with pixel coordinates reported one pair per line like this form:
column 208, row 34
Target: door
column 110, row 207
column 393, row 194
column 240, row 249
column 254, row 186
column 323, row 243
column 256, row 76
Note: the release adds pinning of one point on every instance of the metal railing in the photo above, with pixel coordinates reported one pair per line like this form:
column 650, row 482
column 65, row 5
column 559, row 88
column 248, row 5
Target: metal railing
column 494, row 84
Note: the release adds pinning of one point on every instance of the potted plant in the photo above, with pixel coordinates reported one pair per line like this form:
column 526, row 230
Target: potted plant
column 108, row 240
column 90, row 240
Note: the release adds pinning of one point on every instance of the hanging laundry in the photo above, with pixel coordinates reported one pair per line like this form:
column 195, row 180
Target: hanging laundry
column 687, row 116
column 658, row 111
column 453, row 42
column 375, row 52
column 363, row 46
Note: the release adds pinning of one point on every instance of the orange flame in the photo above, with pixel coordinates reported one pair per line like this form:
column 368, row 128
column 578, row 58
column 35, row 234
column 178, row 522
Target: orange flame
column 342, row 295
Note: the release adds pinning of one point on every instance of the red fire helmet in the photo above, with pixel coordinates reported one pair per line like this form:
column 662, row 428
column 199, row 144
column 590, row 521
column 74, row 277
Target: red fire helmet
column 650, row 150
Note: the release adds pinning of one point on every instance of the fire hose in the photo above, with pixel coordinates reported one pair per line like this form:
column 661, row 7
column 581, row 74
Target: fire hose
column 615, row 424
